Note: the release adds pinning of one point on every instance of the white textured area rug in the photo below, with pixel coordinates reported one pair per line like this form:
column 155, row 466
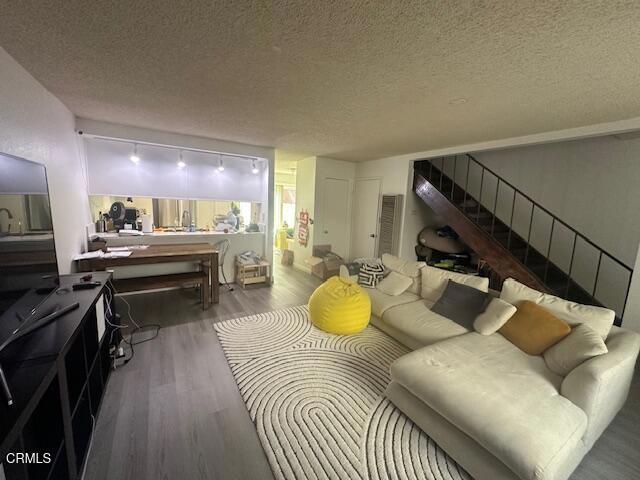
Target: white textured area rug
column 318, row 402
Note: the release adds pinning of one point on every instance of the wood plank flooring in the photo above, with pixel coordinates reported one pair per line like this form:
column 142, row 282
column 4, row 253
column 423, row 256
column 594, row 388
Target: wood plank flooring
column 174, row 412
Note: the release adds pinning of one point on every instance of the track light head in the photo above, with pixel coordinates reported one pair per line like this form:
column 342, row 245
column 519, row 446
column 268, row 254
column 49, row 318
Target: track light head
column 134, row 156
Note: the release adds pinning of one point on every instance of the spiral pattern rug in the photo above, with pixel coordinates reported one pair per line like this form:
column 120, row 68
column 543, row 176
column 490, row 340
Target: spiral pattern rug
column 318, row 402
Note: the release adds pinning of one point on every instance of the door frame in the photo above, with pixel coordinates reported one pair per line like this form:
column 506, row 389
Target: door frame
column 349, row 216
column 380, row 189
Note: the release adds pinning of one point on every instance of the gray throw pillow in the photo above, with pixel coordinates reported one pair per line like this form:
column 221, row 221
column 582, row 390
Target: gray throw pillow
column 461, row 303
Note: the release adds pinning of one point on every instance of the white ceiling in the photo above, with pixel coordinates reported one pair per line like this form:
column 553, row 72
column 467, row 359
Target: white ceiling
column 353, row 80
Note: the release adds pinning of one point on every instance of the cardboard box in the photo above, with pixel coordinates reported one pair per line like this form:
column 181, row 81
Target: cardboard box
column 324, row 264
column 287, row 257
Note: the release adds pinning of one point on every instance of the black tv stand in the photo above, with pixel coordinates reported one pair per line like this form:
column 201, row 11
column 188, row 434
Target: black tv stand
column 57, row 372
column 28, row 326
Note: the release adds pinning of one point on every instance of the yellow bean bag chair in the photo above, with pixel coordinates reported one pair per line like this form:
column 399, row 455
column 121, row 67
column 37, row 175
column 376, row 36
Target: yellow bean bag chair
column 340, row 306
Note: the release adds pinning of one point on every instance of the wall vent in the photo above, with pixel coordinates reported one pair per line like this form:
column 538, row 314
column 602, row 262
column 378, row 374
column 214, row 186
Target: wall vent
column 390, row 221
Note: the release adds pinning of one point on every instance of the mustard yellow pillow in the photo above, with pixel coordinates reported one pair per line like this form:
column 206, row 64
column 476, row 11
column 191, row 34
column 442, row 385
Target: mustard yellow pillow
column 533, row 328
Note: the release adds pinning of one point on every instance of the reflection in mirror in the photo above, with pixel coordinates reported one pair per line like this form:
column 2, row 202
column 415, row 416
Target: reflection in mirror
column 181, row 215
column 38, row 213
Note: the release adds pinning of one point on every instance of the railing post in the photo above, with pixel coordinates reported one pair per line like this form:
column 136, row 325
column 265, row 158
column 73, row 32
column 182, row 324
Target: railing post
column 480, row 195
column 495, row 205
column 626, row 295
column 453, row 180
column 546, row 265
column 595, row 282
column 526, row 253
column 573, row 251
column 430, row 169
column 513, row 207
column 466, row 183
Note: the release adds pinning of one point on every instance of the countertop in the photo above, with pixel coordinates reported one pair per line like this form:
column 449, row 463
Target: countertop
column 173, row 234
column 29, row 237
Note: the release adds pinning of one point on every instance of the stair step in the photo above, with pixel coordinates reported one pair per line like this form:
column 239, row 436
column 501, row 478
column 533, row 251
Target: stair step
column 495, row 229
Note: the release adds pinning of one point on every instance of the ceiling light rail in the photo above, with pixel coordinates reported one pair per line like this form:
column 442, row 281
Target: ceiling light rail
column 137, row 143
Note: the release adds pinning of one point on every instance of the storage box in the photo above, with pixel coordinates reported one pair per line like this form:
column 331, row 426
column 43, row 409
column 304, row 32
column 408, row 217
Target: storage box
column 324, row 264
column 287, row 257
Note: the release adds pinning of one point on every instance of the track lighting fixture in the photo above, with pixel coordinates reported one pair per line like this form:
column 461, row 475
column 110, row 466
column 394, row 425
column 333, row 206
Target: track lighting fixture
column 221, row 165
column 134, row 156
column 181, row 163
column 254, row 167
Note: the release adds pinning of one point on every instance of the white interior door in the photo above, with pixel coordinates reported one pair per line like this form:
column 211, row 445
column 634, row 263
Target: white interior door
column 366, row 213
column 335, row 213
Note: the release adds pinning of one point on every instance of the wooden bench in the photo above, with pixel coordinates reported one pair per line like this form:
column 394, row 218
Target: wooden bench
column 200, row 279
column 203, row 254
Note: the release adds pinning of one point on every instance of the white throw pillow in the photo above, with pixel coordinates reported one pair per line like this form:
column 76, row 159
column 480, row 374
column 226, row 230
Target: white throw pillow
column 344, row 274
column 494, row 317
column 394, row 284
column 598, row 318
column 434, row 281
column 579, row 346
column 405, row 267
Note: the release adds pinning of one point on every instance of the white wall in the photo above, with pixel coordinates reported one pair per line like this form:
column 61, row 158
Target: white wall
column 311, row 173
column 396, row 176
column 337, row 169
column 592, row 184
column 305, row 200
column 285, row 178
column 36, row 126
column 632, row 313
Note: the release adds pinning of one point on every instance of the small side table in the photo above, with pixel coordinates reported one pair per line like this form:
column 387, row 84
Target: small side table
column 253, row 273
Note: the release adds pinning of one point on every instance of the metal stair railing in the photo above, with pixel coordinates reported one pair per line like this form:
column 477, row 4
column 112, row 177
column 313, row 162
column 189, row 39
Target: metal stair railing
column 437, row 176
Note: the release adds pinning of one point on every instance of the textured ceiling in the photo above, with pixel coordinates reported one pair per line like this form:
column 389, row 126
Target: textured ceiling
column 346, row 79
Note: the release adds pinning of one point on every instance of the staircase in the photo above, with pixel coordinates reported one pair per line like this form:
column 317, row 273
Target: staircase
column 518, row 237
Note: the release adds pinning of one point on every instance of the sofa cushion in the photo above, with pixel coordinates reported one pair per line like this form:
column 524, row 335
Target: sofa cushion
column 434, row 281
column 461, row 303
column 417, row 321
column 494, row 317
column 501, row 397
column 533, row 328
column 381, row 302
column 579, row 346
column 400, row 265
column 405, row 267
column 599, row 318
column 394, row 284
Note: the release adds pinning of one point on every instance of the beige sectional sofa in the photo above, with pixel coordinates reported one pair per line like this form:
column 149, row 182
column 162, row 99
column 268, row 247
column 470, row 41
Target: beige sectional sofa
column 499, row 412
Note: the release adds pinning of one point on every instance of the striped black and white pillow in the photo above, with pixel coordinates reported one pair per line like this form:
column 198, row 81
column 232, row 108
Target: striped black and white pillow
column 370, row 274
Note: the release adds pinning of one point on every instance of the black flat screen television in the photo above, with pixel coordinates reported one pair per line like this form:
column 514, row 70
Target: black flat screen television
column 28, row 265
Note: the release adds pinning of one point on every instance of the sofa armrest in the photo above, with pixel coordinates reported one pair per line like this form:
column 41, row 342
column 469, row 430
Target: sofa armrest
column 600, row 385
